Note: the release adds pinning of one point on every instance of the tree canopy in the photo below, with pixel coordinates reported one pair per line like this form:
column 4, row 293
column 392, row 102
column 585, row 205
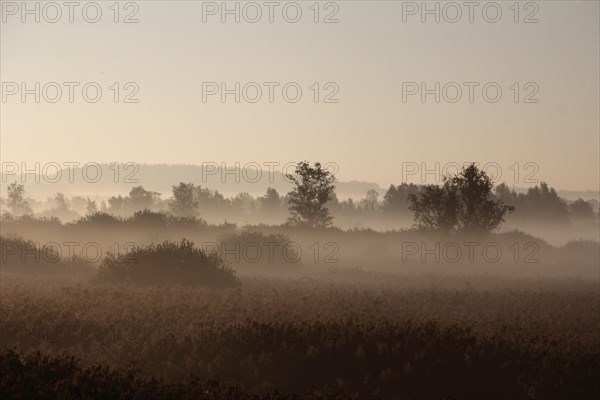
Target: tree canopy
column 463, row 203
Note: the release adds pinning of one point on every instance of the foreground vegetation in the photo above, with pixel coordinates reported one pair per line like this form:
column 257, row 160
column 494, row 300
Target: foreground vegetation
column 388, row 336
column 38, row 376
column 168, row 263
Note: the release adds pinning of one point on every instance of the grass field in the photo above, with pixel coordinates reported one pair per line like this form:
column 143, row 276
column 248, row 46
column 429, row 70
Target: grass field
column 345, row 332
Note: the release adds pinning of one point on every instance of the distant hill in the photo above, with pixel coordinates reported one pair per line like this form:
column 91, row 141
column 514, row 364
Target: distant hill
column 161, row 177
column 576, row 194
column 570, row 194
column 119, row 179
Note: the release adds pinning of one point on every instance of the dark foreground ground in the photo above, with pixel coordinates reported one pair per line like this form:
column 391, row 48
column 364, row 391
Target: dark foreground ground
column 366, row 336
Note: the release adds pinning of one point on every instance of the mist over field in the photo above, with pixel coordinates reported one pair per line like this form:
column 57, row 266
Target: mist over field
column 299, row 200
column 431, row 282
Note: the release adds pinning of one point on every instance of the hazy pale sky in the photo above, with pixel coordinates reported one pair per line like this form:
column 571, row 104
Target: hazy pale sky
column 370, row 55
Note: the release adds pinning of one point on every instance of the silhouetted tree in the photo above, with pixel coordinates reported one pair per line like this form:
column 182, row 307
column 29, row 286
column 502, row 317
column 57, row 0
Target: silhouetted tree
column 118, row 205
column 270, row 200
column 395, row 200
column 209, row 200
column 543, row 203
column 539, row 204
column 334, row 202
column 16, row 200
column 371, row 201
column 478, row 211
column 392, row 201
column 243, row 201
column 203, row 195
column 140, row 198
column 581, row 210
column 463, row 203
column 347, row 205
column 184, row 202
column 78, row 203
column 313, row 189
column 504, row 193
column 91, row 207
column 435, row 208
column 148, row 219
column 61, row 203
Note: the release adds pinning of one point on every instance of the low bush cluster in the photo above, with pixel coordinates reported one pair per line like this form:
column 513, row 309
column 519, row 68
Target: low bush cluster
column 168, row 263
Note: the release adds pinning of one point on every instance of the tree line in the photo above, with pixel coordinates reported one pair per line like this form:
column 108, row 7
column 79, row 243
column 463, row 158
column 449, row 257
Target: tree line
column 467, row 201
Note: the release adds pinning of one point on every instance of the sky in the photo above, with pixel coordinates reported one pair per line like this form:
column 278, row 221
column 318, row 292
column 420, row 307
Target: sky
column 361, row 76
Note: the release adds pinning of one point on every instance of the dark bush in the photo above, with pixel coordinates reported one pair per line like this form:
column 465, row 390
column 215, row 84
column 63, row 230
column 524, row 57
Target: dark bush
column 159, row 220
column 186, row 222
column 581, row 250
column 99, row 218
column 19, row 254
column 168, row 263
column 8, row 221
column 256, row 248
column 148, row 219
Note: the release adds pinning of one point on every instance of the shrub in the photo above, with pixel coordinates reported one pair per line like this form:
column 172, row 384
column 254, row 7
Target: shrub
column 582, row 250
column 19, row 254
column 189, row 222
column 159, row 220
column 257, row 248
column 168, row 263
column 148, row 219
column 99, row 219
column 29, row 221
